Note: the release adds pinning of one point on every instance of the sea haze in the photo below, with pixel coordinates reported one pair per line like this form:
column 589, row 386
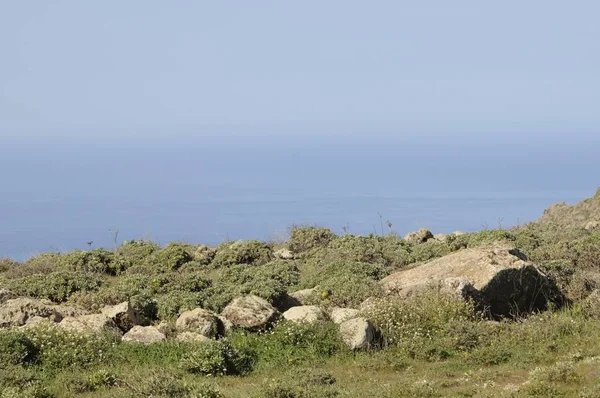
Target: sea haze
column 56, row 196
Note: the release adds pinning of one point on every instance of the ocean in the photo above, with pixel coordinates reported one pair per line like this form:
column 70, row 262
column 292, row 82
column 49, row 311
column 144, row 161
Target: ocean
column 57, row 195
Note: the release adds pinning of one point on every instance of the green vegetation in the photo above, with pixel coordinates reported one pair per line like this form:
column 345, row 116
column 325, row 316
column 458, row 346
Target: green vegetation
column 427, row 345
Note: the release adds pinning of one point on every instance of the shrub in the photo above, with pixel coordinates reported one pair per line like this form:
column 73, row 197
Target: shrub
column 249, row 252
column 61, row 349
column 560, row 372
column 585, row 252
column 306, row 238
column 216, row 358
column 389, row 251
column 57, row 286
column 479, row 238
column 145, row 306
column 136, row 251
column 171, row 257
column 172, row 304
column 7, row 263
column 304, row 383
column 97, row 261
column 41, row 264
column 16, row 349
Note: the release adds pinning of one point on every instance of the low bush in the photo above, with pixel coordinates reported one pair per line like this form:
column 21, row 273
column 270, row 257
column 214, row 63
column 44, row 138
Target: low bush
column 217, row 358
column 251, row 252
column 99, row 261
column 171, row 257
column 303, row 383
column 56, row 286
column 303, row 239
column 16, row 349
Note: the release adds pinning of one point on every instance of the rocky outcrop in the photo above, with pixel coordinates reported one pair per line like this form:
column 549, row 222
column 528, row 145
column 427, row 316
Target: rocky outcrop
column 250, row 312
column 341, row 315
column 198, row 321
column 122, row 315
column 498, row 277
column 305, row 314
column 284, row 254
column 16, row 312
column 357, row 333
column 420, row 236
column 144, row 335
column 94, row 323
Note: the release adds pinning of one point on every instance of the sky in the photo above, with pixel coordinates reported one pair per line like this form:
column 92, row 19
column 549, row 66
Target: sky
column 156, row 69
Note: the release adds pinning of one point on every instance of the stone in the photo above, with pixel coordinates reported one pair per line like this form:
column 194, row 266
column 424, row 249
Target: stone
column 16, row 312
column 123, row 315
column 191, row 337
column 250, row 312
column 198, row 321
column 305, row 314
column 440, row 237
column 357, row 333
column 166, row 328
column 497, row 276
column 303, row 296
column 341, row 315
column 420, row 236
column 94, row 323
column 144, row 335
column 284, row 254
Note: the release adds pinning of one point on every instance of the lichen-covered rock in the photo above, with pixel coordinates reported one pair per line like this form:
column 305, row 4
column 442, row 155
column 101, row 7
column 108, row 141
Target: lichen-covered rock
column 250, row 312
column 303, row 296
column 144, row 335
column 17, row 311
column 284, row 254
column 420, row 236
column 94, row 323
column 305, row 314
column 123, row 315
column 6, row 295
column 357, row 333
column 341, row 315
column 166, row 328
column 497, row 276
column 191, row 337
column 198, row 321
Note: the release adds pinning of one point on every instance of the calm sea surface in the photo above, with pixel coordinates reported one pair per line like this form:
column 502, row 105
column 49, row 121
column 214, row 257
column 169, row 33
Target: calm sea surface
column 56, row 196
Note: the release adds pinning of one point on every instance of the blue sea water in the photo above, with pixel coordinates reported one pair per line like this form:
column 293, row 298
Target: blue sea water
column 58, row 195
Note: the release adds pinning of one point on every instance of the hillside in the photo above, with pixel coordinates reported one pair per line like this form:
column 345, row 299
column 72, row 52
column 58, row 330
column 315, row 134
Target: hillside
column 492, row 313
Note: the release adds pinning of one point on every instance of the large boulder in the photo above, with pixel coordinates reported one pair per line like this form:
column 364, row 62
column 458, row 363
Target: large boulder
column 357, row 333
column 305, row 314
column 94, row 323
column 144, row 335
column 17, row 311
column 340, row 315
column 497, row 276
column 198, row 321
column 123, row 315
column 250, row 312
column 420, row 236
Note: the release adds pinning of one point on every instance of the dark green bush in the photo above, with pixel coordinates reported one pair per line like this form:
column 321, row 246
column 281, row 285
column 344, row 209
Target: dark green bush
column 251, row 252
column 306, row 238
column 97, row 261
column 145, row 306
column 7, row 263
column 171, row 257
column 57, row 286
column 42, row 264
column 217, row 358
column 172, row 304
column 136, row 251
column 16, row 349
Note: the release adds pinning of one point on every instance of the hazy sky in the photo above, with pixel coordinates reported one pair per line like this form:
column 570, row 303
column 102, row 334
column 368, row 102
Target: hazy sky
column 193, row 67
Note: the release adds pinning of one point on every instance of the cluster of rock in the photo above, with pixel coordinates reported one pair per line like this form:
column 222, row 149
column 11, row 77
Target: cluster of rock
column 497, row 277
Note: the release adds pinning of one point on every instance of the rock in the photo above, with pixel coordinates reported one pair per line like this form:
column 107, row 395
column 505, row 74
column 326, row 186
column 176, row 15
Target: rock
column 191, row 337
column 17, row 311
column 458, row 233
column 341, row 315
column 357, row 333
column 303, row 296
column 122, row 315
column 284, row 254
column 497, row 276
column 166, row 328
column 250, row 312
column 590, row 226
column 144, row 335
column 440, row 237
column 95, row 323
column 6, row 295
column 198, row 321
column 305, row 314
column 420, row 236
column 69, row 311
column 224, row 326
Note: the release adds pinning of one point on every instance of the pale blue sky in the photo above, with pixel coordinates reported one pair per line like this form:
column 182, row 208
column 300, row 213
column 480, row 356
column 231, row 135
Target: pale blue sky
column 102, row 68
